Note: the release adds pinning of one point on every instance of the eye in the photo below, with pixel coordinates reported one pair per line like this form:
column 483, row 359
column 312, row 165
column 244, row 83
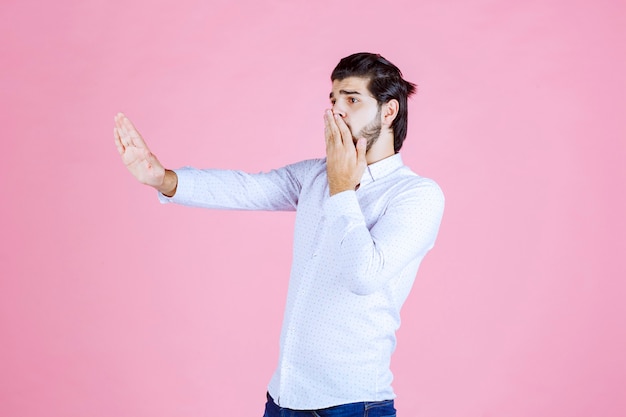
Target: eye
column 352, row 100
column 332, row 101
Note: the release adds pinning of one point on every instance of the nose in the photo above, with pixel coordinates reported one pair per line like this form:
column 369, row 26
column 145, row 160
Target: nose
column 337, row 109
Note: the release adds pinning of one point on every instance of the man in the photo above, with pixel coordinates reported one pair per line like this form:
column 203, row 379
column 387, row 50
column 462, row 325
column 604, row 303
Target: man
column 364, row 222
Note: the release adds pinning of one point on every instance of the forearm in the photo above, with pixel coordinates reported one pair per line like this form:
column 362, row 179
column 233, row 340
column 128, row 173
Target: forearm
column 368, row 257
column 359, row 259
column 238, row 190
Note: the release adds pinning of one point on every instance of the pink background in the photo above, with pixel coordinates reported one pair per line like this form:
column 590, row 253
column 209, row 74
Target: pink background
column 113, row 305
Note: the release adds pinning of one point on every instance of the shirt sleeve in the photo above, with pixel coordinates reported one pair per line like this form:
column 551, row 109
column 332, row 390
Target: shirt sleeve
column 368, row 258
column 278, row 189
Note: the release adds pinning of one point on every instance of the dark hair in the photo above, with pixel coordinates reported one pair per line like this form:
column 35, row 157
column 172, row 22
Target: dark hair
column 385, row 84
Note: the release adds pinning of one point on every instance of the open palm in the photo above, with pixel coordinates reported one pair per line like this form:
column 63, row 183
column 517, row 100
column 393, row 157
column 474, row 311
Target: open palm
column 135, row 153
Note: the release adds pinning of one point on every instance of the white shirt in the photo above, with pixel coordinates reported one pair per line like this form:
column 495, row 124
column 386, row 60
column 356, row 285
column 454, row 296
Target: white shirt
column 355, row 256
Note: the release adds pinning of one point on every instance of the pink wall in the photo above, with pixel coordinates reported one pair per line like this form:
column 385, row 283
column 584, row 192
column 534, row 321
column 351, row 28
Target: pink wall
column 113, row 305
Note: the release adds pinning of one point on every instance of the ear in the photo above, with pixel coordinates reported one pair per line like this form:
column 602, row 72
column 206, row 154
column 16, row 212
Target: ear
column 389, row 112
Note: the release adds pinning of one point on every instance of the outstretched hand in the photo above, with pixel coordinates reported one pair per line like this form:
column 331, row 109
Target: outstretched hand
column 345, row 162
column 135, row 153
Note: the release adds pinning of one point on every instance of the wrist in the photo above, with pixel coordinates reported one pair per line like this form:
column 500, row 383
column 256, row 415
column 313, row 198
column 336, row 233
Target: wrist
column 340, row 188
column 169, row 184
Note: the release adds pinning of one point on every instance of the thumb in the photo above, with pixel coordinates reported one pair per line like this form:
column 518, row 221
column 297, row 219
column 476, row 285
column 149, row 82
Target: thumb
column 151, row 159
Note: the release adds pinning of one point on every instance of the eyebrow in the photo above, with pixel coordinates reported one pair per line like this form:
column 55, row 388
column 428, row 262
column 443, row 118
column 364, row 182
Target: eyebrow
column 345, row 92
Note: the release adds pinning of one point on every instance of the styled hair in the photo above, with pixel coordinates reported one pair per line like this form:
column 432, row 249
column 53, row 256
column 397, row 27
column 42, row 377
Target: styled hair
column 385, row 84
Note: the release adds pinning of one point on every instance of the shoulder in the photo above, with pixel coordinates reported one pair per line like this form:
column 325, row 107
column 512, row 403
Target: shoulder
column 411, row 180
column 308, row 168
column 308, row 164
column 413, row 188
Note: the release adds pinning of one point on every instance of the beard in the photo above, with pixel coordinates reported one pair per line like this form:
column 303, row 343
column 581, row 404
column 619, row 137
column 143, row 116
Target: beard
column 371, row 132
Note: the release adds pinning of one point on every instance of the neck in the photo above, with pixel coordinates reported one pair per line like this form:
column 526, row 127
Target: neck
column 381, row 149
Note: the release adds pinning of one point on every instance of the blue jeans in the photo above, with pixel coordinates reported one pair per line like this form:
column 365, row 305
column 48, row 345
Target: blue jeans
column 363, row 409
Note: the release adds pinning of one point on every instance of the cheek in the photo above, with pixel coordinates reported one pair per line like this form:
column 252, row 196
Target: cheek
column 358, row 123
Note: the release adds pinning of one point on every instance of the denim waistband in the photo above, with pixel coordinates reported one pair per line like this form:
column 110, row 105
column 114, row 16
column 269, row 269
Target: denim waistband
column 357, row 409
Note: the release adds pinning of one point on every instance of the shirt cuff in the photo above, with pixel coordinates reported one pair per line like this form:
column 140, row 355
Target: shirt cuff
column 343, row 204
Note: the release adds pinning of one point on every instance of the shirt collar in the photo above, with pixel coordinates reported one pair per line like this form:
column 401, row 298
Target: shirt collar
column 381, row 169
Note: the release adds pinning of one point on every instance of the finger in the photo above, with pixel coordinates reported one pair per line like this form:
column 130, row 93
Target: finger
column 118, row 141
column 118, row 120
column 346, row 135
column 328, row 135
column 121, row 130
column 133, row 134
column 335, row 134
column 129, row 129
